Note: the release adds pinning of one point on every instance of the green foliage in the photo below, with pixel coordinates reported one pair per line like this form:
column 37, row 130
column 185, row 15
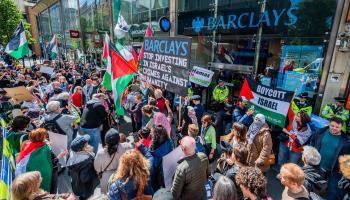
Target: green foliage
column 10, row 18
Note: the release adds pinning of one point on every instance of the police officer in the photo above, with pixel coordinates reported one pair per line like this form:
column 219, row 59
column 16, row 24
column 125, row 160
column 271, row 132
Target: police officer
column 337, row 110
column 198, row 107
column 220, row 92
column 302, row 104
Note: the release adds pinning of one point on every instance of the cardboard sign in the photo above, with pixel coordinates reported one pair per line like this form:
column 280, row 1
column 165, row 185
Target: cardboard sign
column 166, row 63
column 201, row 76
column 19, row 93
column 46, row 70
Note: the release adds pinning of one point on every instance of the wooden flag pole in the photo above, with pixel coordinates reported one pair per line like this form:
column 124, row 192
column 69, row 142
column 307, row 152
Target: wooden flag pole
column 179, row 114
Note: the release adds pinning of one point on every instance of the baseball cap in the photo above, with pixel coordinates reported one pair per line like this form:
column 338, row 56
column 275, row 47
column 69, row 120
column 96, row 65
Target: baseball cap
column 195, row 97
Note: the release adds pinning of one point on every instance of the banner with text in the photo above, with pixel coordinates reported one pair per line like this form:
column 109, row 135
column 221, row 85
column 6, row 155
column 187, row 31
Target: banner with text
column 166, row 63
column 201, row 76
column 273, row 103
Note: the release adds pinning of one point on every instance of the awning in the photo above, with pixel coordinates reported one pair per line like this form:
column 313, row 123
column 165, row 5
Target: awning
column 43, row 5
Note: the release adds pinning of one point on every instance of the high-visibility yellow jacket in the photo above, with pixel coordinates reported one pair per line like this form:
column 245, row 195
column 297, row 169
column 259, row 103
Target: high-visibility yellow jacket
column 330, row 110
column 220, row 93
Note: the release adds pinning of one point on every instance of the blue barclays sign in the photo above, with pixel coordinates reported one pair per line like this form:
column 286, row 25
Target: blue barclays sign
column 247, row 20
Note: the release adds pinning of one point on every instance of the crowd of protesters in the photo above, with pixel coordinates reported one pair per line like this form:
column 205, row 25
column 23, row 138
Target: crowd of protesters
column 226, row 153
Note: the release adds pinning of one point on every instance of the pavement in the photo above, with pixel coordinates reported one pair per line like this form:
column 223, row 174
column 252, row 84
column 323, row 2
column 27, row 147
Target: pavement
column 274, row 186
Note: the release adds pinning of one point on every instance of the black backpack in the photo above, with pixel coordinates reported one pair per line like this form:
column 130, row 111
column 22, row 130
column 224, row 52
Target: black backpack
column 51, row 125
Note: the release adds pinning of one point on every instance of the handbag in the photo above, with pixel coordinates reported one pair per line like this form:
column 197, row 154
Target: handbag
column 283, row 137
column 110, row 162
column 271, row 160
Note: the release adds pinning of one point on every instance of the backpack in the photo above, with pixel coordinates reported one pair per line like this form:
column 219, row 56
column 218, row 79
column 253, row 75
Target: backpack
column 52, row 126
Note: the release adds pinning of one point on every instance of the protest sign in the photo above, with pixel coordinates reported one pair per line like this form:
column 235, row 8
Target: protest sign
column 166, row 63
column 59, row 144
column 273, row 103
column 201, row 76
column 46, row 70
column 170, row 164
column 19, row 93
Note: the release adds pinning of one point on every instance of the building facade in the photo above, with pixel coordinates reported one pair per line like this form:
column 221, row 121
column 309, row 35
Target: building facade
column 295, row 45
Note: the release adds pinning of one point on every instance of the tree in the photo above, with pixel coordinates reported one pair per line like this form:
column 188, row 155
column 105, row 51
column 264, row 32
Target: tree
column 10, row 17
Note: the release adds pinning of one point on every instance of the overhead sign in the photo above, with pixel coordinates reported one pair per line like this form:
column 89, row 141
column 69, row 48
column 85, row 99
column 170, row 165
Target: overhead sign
column 166, row 63
column 246, row 20
column 201, row 76
column 74, row 34
column 164, row 24
column 273, row 103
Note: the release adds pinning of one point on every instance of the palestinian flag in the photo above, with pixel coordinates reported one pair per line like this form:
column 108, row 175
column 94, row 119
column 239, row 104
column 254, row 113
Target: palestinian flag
column 121, row 67
column 52, row 47
column 36, row 156
column 107, row 82
column 18, row 45
column 142, row 51
column 275, row 104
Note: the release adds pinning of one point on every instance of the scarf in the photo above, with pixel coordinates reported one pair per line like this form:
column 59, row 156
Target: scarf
column 253, row 130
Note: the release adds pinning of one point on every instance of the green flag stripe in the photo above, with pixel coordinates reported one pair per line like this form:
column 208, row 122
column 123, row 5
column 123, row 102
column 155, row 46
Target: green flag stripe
column 20, row 52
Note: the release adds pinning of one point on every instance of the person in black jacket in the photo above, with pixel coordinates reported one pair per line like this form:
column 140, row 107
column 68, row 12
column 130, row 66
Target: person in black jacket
column 94, row 114
column 315, row 177
column 84, row 179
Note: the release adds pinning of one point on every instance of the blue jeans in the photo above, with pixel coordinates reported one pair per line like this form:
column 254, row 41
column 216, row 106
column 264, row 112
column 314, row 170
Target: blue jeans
column 286, row 155
column 332, row 190
column 94, row 134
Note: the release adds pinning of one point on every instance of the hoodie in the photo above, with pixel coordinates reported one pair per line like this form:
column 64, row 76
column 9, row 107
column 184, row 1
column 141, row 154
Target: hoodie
column 93, row 115
column 81, row 169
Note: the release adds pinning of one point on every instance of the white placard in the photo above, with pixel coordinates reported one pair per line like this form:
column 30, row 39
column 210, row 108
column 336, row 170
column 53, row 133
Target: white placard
column 46, row 70
column 59, row 144
column 170, row 164
column 201, row 76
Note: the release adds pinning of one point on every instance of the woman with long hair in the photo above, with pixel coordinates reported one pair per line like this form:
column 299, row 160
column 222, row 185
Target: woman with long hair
column 107, row 159
column 131, row 180
column 238, row 135
column 161, row 145
column 291, row 149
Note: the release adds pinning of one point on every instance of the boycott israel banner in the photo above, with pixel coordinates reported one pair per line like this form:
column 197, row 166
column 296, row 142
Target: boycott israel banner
column 201, row 76
column 166, row 63
column 273, row 103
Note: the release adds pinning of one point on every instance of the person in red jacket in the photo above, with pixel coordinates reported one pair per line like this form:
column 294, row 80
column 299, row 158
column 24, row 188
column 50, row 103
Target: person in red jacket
column 77, row 97
column 158, row 94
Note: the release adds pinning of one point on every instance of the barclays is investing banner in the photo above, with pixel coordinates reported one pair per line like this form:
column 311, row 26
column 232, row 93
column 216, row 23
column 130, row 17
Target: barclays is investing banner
column 166, row 63
column 273, row 103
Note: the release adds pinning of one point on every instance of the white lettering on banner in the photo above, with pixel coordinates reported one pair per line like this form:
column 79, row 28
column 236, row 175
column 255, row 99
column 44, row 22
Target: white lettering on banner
column 267, row 103
column 271, row 92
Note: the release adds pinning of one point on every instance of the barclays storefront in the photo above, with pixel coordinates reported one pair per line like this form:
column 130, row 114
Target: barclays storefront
column 285, row 41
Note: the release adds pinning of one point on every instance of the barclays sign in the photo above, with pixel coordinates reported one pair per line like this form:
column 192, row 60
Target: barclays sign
column 285, row 17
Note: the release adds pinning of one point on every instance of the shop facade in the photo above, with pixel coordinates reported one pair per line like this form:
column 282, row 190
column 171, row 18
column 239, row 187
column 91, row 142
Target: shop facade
column 287, row 44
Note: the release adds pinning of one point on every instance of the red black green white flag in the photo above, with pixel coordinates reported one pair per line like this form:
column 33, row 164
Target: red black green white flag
column 275, row 104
